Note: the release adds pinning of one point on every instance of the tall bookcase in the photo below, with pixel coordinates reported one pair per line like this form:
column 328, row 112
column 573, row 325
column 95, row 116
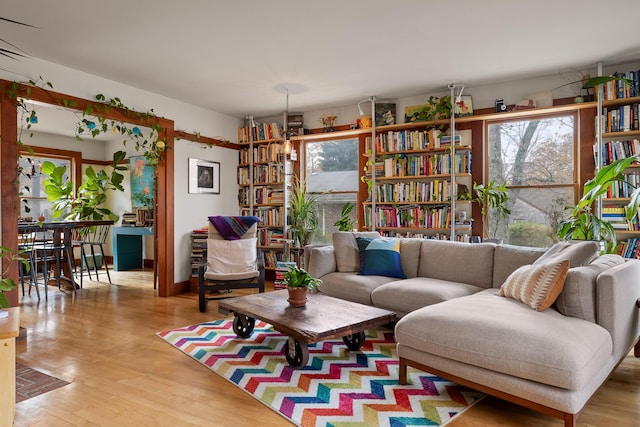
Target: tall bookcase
column 619, row 119
column 413, row 186
column 262, row 185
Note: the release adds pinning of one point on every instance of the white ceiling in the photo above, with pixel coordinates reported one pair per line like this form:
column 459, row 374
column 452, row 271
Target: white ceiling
column 237, row 57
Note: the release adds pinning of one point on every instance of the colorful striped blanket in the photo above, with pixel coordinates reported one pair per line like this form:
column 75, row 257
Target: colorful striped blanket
column 233, row 227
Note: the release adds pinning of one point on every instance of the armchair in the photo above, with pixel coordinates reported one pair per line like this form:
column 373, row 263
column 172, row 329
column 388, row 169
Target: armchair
column 233, row 259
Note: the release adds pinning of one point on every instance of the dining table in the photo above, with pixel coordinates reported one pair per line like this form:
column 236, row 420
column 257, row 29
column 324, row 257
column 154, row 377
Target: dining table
column 62, row 233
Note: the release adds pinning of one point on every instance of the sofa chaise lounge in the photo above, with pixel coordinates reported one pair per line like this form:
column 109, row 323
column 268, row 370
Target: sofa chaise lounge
column 543, row 328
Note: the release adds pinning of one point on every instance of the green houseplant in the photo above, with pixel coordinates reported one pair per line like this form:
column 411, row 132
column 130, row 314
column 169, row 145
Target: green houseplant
column 298, row 282
column 303, row 211
column 91, row 194
column 8, row 284
column 488, row 197
column 345, row 223
column 583, row 222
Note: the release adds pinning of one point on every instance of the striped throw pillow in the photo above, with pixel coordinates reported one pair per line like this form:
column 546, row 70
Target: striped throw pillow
column 538, row 286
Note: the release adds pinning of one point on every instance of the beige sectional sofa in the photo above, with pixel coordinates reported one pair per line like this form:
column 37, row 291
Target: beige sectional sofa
column 455, row 324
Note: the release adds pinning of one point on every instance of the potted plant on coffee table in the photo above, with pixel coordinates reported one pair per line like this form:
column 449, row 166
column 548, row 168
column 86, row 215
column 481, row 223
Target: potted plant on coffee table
column 298, row 282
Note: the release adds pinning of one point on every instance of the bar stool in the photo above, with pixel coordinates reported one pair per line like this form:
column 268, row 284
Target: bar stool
column 51, row 248
column 95, row 237
column 26, row 249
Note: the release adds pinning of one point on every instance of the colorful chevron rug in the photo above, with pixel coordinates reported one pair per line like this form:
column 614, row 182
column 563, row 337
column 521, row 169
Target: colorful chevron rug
column 337, row 388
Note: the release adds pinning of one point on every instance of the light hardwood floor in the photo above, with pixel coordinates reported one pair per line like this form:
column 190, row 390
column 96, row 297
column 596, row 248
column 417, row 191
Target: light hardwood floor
column 102, row 340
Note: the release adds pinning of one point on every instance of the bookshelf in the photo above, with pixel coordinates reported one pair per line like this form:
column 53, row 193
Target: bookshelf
column 413, row 186
column 261, row 180
column 620, row 138
column 198, row 252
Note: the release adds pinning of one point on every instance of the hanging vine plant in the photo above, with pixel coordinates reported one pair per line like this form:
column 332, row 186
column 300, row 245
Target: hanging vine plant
column 149, row 144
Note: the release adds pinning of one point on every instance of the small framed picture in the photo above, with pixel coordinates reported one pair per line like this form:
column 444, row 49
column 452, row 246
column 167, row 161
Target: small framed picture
column 204, row 176
column 464, row 107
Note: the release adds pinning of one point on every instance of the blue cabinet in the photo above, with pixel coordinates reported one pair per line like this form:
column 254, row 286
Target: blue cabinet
column 128, row 247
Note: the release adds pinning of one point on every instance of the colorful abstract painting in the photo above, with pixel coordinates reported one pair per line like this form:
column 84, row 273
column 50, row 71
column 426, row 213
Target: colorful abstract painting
column 141, row 183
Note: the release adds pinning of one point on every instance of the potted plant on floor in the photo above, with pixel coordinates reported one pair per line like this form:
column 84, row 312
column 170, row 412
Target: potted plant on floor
column 304, row 213
column 298, row 282
column 346, row 222
column 491, row 197
column 583, row 222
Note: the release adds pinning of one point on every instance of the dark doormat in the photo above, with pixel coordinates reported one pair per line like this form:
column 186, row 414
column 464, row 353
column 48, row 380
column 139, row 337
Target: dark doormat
column 31, row 383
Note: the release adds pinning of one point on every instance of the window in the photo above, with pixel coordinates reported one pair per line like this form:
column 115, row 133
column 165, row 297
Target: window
column 33, row 200
column 536, row 159
column 331, row 169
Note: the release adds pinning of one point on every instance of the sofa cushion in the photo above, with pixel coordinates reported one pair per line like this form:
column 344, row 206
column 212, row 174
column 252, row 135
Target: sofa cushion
column 410, row 255
column 320, row 260
column 578, row 253
column 404, row 296
column 457, row 262
column 380, row 257
column 538, row 286
column 578, row 297
column 351, row 286
column 503, row 335
column 346, row 249
column 507, row 258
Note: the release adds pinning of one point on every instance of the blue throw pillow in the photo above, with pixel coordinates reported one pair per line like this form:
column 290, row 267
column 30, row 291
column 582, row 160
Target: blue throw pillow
column 380, row 257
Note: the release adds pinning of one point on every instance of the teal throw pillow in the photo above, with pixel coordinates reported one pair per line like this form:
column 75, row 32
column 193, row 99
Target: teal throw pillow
column 380, row 257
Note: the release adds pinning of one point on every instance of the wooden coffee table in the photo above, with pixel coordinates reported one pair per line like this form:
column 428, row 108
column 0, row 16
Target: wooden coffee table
column 323, row 318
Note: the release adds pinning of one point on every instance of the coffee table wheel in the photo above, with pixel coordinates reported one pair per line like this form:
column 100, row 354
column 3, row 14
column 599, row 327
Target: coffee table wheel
column 243, row 325
column 355, row 341
column 296, row 353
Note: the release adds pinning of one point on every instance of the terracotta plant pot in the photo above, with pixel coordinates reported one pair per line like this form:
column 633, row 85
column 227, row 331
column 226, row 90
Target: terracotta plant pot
column 297, row 296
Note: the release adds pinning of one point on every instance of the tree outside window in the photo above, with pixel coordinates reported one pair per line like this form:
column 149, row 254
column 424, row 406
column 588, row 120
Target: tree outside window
column 536, row 159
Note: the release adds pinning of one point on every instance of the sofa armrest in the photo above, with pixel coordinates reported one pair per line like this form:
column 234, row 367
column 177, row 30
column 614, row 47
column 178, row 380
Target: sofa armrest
column 617, row 292
column 321, row 260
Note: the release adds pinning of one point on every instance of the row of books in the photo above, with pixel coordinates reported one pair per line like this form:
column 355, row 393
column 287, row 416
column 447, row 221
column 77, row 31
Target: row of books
column 414, row 191
column 621, row 119
column 261, row 195
column 410, row 216
column 426, row 164
column 261, row 154
column 629, row 248
column 262, row 174
column 259, row 132
column 270, row 236
column 414, row 140
column 198, row 249
column 270, row 258
column 620, row 89
column 459, row 237
column 624, row 188
column 281, row 269
column 269, row 216
column 614, row 150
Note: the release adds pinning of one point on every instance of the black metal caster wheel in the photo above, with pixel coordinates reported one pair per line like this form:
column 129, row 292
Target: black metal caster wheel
column 355, row 341
column 243, row 325
column 296, row 353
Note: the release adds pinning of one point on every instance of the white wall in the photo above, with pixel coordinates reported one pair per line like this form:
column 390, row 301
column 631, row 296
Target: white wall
column 189, row 211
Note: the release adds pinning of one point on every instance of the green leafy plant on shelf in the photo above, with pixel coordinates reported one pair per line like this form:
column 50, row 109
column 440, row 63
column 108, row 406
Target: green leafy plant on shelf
column 345, row 223
column 92, row 194
column 583, row 222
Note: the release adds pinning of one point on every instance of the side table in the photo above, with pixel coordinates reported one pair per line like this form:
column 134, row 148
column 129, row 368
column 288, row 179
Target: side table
column 9, row 330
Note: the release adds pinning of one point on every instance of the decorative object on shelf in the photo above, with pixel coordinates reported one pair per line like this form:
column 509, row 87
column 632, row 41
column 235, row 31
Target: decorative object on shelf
column 583, row 222
column 435, row 108
column 385, row 113
column 363, row 122
column 204, row 176
column 142, row 182
column 346, row 222
column 464, row 107
column 298, row 282
column 328, row 122
column 303, row 213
